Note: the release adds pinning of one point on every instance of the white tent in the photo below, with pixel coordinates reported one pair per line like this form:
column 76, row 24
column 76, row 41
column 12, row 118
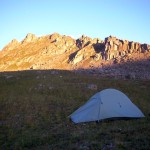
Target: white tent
column 107, row 104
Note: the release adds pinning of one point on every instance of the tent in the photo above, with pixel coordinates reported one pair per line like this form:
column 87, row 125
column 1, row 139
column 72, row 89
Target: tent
column 107, row 104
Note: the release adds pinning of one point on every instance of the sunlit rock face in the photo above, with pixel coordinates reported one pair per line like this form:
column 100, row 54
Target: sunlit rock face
column 115, row 47
column 57, row 51
column 29, row 38
column 14, row 43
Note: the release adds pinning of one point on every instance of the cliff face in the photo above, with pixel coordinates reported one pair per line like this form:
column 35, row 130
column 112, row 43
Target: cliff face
column 57, row 51
column 118, row 48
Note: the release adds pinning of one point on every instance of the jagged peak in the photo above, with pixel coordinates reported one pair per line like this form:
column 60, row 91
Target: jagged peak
column 11, row 45
column 55, row 36
column 84, row 37
column 114, row 38
column 14, row 41
column 56, row 33
column 29, row 38
column 29, row 35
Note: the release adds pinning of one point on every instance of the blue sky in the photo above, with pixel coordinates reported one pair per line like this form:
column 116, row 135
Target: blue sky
column 125, row 19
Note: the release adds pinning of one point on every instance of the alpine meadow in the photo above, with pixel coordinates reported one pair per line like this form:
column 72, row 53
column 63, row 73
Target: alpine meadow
column 35, row 105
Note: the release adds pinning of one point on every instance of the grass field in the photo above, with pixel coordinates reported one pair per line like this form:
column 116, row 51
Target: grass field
column 35, row 105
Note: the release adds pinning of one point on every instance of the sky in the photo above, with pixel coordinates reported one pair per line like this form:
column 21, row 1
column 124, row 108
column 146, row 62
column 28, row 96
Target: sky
column 125, row 19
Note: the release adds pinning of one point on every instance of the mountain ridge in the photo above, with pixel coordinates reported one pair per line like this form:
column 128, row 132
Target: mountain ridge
column 57, row 51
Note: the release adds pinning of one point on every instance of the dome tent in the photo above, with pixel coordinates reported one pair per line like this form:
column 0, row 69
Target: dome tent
column 107, row 104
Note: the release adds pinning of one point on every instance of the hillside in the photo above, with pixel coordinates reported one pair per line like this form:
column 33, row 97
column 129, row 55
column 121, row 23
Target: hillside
column 57, row 51
column 35, row 105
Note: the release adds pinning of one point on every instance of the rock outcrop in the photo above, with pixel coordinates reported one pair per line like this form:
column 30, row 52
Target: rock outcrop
column 29, row 38
column 118, row 48
column 13, row 44
column 57, row 51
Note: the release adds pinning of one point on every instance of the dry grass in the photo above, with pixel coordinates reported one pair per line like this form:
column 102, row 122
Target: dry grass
column 35, row 105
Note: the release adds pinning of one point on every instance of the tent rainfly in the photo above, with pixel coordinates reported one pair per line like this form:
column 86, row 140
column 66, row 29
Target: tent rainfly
column 107, row 104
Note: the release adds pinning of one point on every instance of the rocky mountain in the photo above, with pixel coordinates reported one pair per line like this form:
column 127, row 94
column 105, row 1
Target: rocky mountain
column 112, row 56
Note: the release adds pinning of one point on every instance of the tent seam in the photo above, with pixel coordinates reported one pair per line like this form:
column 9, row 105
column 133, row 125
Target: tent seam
column 99, row 109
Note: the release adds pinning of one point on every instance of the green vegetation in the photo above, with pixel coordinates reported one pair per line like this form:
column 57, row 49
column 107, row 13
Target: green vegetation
column 35, row 105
